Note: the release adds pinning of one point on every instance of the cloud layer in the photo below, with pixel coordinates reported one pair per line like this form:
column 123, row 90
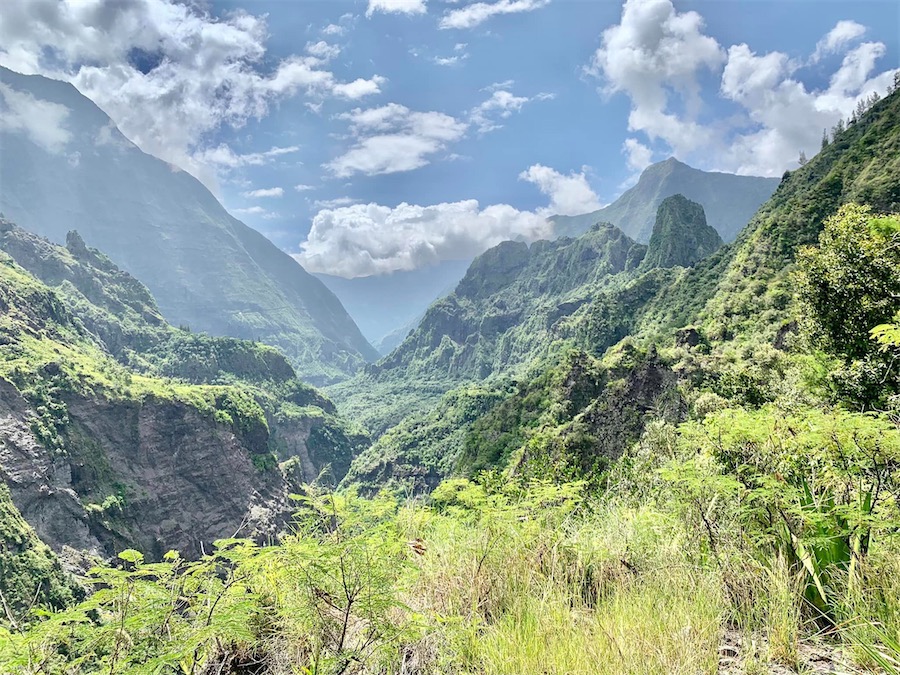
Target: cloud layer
column 165, row 71
column 367, row 239
column 657, row 55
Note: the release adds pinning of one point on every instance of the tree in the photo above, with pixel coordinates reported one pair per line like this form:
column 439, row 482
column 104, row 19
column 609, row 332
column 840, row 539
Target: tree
column 802, row 159
column 824, row 138
column 850, row 284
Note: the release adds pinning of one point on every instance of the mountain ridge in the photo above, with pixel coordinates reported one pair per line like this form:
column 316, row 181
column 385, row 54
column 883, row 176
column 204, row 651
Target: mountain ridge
column 205, row 268
column 729, row 200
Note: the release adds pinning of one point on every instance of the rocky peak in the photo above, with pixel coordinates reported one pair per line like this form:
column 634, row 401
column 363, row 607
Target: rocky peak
column 681, row 236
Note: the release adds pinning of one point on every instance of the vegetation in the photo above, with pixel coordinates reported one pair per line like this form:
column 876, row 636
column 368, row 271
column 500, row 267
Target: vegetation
column 617, row 466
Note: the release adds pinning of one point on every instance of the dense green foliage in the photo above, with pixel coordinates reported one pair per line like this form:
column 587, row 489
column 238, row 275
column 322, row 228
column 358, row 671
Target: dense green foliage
column 852, row 281
column 30, row 574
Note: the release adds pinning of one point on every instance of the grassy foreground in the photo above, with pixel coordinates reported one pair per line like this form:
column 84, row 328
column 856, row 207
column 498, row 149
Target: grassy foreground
column 495, row 576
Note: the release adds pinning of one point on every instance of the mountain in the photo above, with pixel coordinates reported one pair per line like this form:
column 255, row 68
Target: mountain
column 385, row 303
column 572, row 412
column 392, row 340
column 681, row 236
column 728, row 200
column 118, row 430
column 518, row 304
column 206, row 269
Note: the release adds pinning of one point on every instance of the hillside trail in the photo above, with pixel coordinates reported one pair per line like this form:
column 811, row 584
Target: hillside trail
column 740, row 655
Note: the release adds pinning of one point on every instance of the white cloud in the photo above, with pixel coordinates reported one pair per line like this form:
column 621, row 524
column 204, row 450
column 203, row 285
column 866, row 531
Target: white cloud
column 450, row 60
column 264, row 192
column 653, row 51
column 168, row 73
column 334, row 203
column 570, row 195
column 304, row 188
column 251, row 211
column 322, row 50
column 506, row 84
column 223, row 156
column 842, row 34
column 656, row 56
column 479, row 12
column 43, row 122
column 639, row 155
column 500, row 105
column 396, row 7
column 333, row 29
column 366, row 239
column 393, row 138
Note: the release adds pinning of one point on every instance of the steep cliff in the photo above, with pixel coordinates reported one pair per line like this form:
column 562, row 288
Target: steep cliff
column 119, row 430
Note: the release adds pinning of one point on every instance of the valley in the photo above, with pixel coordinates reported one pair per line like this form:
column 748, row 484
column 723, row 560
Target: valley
column 658, row 437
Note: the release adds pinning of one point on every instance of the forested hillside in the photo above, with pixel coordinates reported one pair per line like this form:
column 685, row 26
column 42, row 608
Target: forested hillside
column 594, row 456
column 206, row 269
column 120, row 430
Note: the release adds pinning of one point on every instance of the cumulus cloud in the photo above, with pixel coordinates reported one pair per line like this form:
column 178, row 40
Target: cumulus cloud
column 264, row 192
column 43, row 122
column 393, row 138
column 304, row 188
column 656, row 55
column 322, row 50
column 396, row 7
column 167, row 72
column 569, row 195
column 842, row 34
column 479, row 12
column 501, row 104
column 366, row 239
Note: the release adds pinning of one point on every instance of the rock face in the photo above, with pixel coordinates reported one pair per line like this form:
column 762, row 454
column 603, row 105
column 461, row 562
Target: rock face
column 680, row 236
column 118, row 430
column 154, row 475
column 206, row 269
column 729, row 201
column 513, row 298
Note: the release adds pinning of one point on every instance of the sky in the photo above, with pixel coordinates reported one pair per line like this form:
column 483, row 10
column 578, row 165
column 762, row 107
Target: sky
column 367, row 136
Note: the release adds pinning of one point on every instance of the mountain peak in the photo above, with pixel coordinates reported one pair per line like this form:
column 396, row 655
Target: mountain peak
column 681, row 235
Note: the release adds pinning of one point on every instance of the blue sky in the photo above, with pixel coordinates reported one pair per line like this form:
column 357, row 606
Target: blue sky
column 373, row 135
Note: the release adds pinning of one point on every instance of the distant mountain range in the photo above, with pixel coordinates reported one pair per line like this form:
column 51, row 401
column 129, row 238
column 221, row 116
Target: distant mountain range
column 728, row 200
column 206, row 269
column 386, row 303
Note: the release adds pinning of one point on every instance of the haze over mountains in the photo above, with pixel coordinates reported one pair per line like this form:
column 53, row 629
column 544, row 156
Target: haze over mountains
column 65, row 166
column 386, row 303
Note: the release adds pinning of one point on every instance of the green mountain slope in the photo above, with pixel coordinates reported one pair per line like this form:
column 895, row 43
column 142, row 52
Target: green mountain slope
column 681, row 236
column 728, row 200
column 205, row 268
column 580, row 294
column 701, row 336
column 746, row 287
column 515, row 304
column 118, row 430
